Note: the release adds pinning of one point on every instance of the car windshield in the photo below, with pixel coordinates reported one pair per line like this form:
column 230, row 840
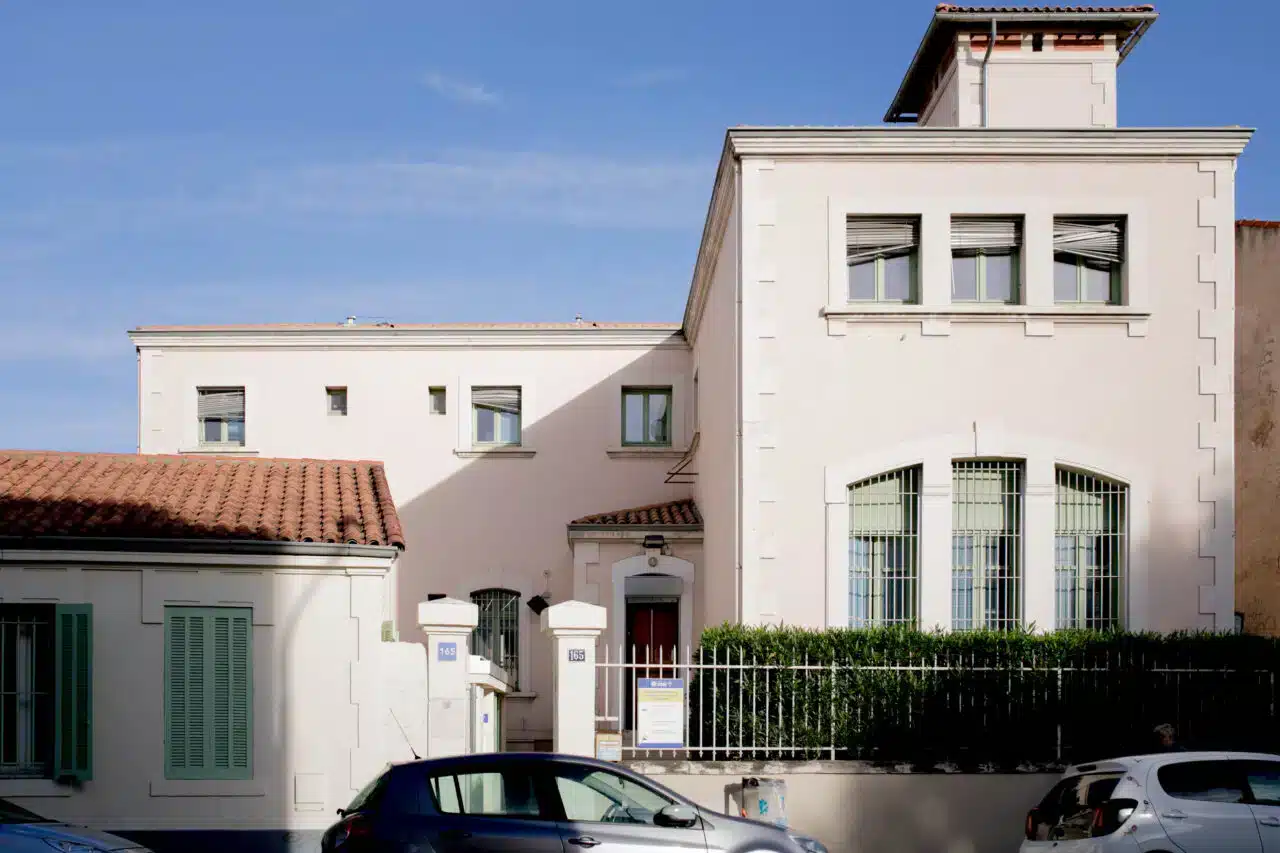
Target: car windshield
column 9, row 813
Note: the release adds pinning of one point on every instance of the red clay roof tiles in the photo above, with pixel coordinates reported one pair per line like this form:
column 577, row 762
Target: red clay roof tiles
column 124, row 496
column 1257, row 223
column 682, row 512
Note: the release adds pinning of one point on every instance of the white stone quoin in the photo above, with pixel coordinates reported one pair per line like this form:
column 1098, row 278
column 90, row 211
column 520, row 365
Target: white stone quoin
column 574, row 626
column 448, row 624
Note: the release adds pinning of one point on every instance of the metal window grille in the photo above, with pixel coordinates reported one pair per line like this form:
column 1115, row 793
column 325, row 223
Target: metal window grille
column 884, row 549
column 26, row 690
column 497, row 633
column 986, row 544
column 1090, row 550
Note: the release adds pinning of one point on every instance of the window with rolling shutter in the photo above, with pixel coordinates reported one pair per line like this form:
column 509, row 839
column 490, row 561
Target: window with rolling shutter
column 1088, row 259
column 220, row 416
column 496, row 415
column 208, row 693
column 985, row 258
column 882, row 253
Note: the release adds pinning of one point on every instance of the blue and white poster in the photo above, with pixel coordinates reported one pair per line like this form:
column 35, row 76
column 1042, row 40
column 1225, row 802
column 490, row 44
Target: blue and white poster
column 660, row 713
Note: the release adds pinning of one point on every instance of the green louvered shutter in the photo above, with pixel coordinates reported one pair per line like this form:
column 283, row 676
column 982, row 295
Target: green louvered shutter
column 73, row 703
column 208, row 693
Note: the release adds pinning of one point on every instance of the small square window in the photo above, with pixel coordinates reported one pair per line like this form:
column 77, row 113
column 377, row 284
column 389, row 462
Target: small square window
column 220, row 416
column 1088, row 260
column 646, row 416
column 337, row 401
column 882, row 253
column 437, row 395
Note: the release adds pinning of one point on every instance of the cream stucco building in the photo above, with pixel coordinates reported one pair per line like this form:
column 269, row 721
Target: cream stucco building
column 975, row 372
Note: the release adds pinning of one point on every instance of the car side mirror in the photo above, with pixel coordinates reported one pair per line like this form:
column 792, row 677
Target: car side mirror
column 676, row 815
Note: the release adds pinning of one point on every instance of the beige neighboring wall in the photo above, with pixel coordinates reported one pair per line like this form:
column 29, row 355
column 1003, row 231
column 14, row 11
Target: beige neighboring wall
column 712, row 321
column 470, row 521
column 1257, row 411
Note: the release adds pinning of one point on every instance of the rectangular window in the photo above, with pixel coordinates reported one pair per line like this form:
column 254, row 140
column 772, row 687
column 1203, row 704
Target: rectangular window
column 208, row 693
column 46, row 690
column 646, row 416
column 882, row 253
column 496, row 415
column 505, row 792
column 884, row 549
column 337, row 400
column 1090, row 550
column 437, row 395
column 220, row 412
column 986, row 545
column 1088, row 260
column 497, row 633
column 985, row 259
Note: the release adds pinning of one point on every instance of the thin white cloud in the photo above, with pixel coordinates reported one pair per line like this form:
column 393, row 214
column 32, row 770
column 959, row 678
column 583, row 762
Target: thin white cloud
column 460, row 90
column 647, row 78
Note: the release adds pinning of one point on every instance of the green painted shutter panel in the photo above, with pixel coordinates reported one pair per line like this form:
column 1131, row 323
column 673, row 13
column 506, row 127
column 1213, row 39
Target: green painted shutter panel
column 208, row 693
column 241, row 697
column 73, row 705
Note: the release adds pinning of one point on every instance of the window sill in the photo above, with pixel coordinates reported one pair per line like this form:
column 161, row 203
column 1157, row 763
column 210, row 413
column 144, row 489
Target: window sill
column 33, row 788
column 642, row 451
column 217, row 450
column 522, row 694
column 1039, row 320
column 207, row 788
column 487, row 452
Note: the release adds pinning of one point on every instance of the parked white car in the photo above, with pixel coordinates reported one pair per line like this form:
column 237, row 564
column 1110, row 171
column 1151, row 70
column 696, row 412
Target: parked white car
column 1175, row 802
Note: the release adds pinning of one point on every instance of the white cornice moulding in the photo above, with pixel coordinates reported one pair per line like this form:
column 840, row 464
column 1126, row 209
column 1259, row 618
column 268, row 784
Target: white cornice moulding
column 952, row 142
column 392, row 338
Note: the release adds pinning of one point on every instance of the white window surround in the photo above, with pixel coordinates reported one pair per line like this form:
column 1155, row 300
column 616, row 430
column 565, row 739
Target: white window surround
column 463, row 414
column 190, row 428
column 639, row 565
column 1042, row 455
column 680, row 429
column 1037, row 311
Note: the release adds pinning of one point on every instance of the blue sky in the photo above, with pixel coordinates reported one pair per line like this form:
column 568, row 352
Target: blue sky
column 419, row 161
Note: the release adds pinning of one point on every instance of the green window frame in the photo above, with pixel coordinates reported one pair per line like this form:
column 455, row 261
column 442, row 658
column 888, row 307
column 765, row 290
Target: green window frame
column 1082, row 265
column 208, row 693
column 979, row 258
column 504, row 405
column 871, row 243
column 220, row 420
column 645, row 398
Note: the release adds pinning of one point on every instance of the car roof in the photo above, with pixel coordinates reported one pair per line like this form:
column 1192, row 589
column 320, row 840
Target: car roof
column 1159, row 759
column 481, row 759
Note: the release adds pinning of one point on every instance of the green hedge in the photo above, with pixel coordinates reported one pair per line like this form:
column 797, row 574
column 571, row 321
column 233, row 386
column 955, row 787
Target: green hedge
column 976, row 699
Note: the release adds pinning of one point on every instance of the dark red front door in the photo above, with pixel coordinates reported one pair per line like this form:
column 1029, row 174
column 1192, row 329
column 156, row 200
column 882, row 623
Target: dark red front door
column 653, row 638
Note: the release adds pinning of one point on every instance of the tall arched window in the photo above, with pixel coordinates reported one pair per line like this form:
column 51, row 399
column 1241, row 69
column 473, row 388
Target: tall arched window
column 986, row 544
column 497, row 633
column 1090, row 550
column 884, row 549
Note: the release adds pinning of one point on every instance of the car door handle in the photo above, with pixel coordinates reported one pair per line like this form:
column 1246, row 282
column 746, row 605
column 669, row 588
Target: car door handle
column 1174, row 814
column 454, row 834
column 584, row 841
column 1268, row 820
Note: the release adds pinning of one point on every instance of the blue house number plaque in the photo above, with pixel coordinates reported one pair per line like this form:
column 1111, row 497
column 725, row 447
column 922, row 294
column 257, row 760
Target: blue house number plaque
column 447, row 651
column 577, row 655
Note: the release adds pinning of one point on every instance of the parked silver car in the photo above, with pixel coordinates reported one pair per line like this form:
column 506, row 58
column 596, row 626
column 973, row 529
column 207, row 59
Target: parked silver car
column 538, row 803
column 1193, row 802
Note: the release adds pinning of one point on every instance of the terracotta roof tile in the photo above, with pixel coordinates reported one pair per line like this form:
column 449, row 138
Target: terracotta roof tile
column 682, row 512
column 123, row 496
column 585, row 326
column 1257, row 223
